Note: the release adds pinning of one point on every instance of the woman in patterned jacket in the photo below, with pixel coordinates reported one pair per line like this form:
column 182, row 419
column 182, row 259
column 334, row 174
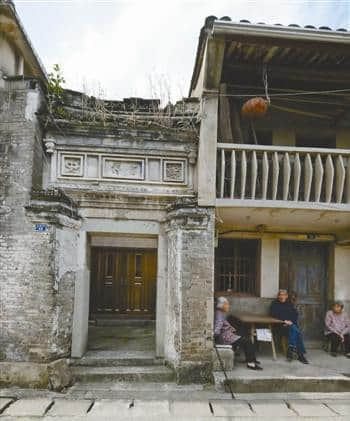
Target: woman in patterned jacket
column 226, row 334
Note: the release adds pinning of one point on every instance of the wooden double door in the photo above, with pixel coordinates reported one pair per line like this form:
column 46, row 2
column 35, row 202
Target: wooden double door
column 123, row 281
column 304, row 270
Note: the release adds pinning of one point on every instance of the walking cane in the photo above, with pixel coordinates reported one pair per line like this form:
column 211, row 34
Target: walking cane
column 224, row 371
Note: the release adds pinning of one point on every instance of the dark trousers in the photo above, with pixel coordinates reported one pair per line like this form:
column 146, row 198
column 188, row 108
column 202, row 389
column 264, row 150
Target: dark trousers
column 248, row 348
column 294, row 335
column 336, row 341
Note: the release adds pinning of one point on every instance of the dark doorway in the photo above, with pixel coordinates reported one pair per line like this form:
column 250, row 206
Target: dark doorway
column 123, row 282
column 304, row 269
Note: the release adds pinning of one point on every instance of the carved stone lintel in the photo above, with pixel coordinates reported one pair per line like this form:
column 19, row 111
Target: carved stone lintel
column 183, row 202
column 188, row 217
column 53, row 205
column 50, row 144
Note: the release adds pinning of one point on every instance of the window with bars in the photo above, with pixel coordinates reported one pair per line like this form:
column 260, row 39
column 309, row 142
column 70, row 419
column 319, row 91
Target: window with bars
column 236, row 267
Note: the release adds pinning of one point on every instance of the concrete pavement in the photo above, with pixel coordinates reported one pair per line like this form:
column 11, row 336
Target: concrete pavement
column 244, row 407
column 323, row 374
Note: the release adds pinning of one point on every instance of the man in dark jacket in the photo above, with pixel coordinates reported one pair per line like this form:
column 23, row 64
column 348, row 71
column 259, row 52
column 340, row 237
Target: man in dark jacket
column 284, row 310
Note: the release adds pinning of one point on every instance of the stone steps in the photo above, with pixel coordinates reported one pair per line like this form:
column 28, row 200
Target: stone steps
column 142, row 390
column 117, row 359
column 100, row 322
column 282, row 384
column 123, row 374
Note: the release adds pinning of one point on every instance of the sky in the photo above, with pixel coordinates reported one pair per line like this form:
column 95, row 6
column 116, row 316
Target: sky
column 121, row 48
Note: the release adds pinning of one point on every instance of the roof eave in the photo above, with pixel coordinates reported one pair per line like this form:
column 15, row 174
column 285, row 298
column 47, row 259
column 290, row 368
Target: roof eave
column 224, row 28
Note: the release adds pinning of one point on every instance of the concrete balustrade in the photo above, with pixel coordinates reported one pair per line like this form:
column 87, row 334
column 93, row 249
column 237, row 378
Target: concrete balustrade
column 270, row 173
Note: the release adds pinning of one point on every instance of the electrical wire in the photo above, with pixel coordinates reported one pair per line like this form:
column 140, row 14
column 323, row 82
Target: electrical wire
column 282, row 94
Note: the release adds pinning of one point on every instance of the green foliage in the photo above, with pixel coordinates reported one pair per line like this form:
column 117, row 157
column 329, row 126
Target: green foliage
column 56, row 80
column 55, row 91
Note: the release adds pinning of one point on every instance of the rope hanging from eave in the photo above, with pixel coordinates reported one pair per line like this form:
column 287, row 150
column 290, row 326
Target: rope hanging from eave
column 266, row 84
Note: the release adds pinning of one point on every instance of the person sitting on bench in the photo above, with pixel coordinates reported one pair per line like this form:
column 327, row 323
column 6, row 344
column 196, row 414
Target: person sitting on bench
column 283, row 309
column 337, row 328
column 226, row 334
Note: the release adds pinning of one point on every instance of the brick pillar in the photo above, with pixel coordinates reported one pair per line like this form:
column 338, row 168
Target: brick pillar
column 188, row 343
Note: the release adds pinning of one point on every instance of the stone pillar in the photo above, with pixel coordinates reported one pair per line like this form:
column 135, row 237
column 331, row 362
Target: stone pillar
column 161, row 292
column 269, row 267
column 81, row 299
column 339, row 288
column 207, row 151
column 188, row 344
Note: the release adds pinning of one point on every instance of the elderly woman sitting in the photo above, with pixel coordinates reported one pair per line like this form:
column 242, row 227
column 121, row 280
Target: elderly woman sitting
column 337, row 328
column 226, row 334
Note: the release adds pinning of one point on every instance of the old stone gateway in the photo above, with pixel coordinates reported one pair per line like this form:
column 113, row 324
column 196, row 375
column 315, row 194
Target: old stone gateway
column 121, row 221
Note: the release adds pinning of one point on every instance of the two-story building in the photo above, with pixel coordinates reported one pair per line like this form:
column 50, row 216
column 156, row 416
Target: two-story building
column 275, row 112
column 121, row 210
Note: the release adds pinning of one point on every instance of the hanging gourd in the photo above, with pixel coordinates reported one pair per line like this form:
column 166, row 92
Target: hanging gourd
column 255, row 108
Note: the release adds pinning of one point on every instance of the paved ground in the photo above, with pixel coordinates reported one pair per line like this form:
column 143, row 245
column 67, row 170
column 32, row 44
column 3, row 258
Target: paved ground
column 122, row 337
column 244, row 407
column 141, row 400
column 324, row 373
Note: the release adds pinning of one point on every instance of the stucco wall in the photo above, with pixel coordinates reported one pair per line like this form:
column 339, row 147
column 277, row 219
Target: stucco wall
column 7, row 58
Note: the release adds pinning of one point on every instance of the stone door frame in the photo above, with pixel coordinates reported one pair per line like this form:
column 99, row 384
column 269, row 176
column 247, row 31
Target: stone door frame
column 82, row 287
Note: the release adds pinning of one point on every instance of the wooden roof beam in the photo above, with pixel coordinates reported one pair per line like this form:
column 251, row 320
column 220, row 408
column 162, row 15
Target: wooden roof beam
column 293, row 73
column 213, row 64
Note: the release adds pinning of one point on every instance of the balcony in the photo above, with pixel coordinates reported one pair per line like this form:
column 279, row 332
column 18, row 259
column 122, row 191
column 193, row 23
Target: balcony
column 277, row 178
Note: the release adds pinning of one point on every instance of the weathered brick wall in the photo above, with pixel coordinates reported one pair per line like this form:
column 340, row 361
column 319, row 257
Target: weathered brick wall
column 32, row 307
column 190, row 292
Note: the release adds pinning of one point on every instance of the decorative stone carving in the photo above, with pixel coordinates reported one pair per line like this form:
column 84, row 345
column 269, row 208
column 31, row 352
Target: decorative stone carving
column 97, row 167
column 50, row 144
column 124, row 168
column 72, row 166
column 174, row 171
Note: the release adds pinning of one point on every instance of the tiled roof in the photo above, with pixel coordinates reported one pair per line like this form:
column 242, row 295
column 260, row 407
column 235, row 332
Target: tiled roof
column 210, row 19
column 242, row 37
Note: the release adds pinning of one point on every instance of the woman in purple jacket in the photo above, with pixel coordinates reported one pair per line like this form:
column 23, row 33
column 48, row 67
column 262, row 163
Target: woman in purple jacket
column 337, row 328
column 226, row 334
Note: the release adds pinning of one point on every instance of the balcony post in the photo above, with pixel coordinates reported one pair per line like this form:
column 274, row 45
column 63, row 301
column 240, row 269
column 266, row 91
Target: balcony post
column 207, row 150
column 283, row 137
column 269, row 267
column 343, row 138
column 339, row 288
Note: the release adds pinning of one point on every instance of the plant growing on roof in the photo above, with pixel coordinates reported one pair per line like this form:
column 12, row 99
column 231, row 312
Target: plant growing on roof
column 55, row 91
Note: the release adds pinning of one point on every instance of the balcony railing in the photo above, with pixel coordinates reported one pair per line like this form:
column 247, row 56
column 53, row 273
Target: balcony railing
column 255, row 172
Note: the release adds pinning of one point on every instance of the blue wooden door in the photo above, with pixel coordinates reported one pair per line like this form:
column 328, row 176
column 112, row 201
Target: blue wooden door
column 304, row 269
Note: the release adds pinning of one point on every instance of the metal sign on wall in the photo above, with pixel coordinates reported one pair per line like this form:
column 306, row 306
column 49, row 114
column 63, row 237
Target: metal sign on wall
column 41, row 228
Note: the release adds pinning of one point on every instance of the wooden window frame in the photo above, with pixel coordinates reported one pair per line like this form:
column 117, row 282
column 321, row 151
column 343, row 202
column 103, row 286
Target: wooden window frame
column 257, row 283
